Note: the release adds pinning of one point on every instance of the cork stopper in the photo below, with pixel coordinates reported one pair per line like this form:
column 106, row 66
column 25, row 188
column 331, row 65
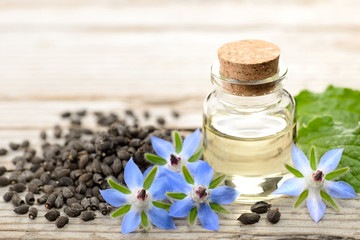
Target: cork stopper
column 249, row 60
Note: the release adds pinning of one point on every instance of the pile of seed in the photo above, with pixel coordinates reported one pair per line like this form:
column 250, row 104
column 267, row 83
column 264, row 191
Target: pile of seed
column 68, row 176
column 273, row 215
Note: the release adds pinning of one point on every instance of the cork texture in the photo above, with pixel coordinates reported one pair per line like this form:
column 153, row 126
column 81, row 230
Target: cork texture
column 249, row 60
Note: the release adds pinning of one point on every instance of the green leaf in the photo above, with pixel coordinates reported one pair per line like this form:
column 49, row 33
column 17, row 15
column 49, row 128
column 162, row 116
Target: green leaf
column 214, row 183
column 325, row 134
column 177, row 196
column 118, row 187
column 178, row 142
column 337, row 173
column 155, row 159
column 162, row 205
column 192, row 216
column 218, row 208
column 294, row 171
column 187, row 175
column 341, row 104
column 196, row 156
column 330, row 120
column 329, row 200
column 144, row 220
column 301, row 198
column 121, row 211
column 150, row 178
column 313, row 162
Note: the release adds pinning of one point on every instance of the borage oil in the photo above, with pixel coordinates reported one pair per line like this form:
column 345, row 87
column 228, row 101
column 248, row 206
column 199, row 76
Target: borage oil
column 248, row 120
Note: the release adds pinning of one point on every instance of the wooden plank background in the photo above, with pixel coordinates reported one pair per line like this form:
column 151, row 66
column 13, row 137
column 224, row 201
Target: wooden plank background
column 111, row 55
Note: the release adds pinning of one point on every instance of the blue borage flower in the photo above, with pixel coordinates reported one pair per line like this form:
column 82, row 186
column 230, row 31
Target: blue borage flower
column 139, row 201
column 199, row 196
column 312, row 181
column 172, row 157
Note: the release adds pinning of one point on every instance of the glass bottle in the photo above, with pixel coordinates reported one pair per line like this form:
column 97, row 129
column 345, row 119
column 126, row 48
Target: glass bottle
column 248, row 126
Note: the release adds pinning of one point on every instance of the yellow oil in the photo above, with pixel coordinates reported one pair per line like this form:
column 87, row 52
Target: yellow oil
column 251, row 150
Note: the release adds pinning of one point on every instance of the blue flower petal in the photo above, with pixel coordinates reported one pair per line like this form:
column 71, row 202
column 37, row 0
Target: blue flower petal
column 191, row 143
column 223, row 195
column 330, row 160
column 300, row 161
column 130, row 222
column 203, row 174
column 177, row 183
column 132, row 175
column 315, row 204
column 160, row 218
column 162, row 147
column 191, row 166
column 208, row 218
column 182, row 207
column 158, row 188
column 339, row 189
column 114, row 197
column 292, row 186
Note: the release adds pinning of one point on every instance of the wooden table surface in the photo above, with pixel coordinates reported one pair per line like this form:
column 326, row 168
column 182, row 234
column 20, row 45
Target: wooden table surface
column 110, row 55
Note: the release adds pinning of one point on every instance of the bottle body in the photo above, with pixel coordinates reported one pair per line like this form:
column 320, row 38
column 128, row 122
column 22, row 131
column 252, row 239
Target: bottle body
column 249, row 139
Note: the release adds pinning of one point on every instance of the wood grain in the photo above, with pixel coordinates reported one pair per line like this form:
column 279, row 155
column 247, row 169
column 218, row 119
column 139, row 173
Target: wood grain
column 110, row 55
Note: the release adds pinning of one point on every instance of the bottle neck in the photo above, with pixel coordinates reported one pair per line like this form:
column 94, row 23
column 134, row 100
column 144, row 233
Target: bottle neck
column 261, row 101
column 249, row 94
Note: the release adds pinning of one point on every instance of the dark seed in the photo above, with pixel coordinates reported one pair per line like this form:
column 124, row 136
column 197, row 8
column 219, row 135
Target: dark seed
column 2, row 170
column 33, row 188
column 62, row 221
column 33, row 213
column 273, row 215
column 8, row 196
column 71, row 200
column 42, row 199
column 25, row 144
column 94, row 203
column 67, row 193
column 29, row 198
column 81, row 113
column 14, row 146
column 48, row 189
column 87, row 216
column 260, row 207
column 52, row 215
column 50, row 202
column 249, row 218
column 86, row 203
column 3, row 151
column 4, row 181
column 81, row 188
column 97, row 178
column 175, row 114
column 85, row 177
column 106, row 170
column 22, row 209
column 45, row 178
column 18, row 187
column 16, row 200
column 59, row 202
column 77, row 206
column 57, row 131
column 43, row 135
column 72, row 212
column 66, row 114
column 83, row 161
column 66, row 181
column 160, row 120
column 146, row 114
column 103, row 208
